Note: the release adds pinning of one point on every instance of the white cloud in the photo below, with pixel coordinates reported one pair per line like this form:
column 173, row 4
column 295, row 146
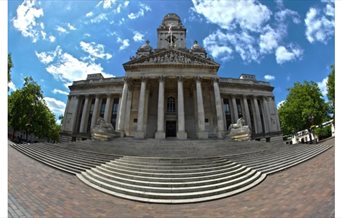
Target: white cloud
column 269, row 40
column 283, row 54
column 138, row 37
column 58, row 91
column 86, row 35
column 323, row 86
column 90, row 14
column 280, row 104
column 269, row 77
column 56, row 106
column 52, row 38
column 281, row 16
column 222, row 44
column 48, row 57
column 320, row 27
column 108, row 3
column 99, row 18
column 66, row 68
column 143, row 8
column 250, row 14
column 71, row 27
column 95, row 50
column 61, row 29
column 25, row 20
column 12, row 86
column 124, row 43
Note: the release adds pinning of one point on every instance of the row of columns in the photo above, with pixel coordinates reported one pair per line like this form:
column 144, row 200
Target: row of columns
column 181, row 133
column 265, row 107
column 86, row 109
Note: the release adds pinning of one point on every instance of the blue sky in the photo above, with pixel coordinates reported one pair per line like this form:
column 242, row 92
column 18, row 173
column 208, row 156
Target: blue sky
column 57, row 42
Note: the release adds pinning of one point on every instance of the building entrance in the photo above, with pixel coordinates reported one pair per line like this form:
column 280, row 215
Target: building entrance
column 171, row 129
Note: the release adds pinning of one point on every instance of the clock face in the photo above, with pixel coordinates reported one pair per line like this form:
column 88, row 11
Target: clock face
column 171, row 23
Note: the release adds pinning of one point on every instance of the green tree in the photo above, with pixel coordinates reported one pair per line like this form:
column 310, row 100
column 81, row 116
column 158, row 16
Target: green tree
column 331, row 89
column 10, row 66
column 303, row 108
column 28, row 112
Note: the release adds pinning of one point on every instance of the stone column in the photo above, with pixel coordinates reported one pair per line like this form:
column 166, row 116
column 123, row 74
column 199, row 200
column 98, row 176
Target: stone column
column 66, row 113
column 181, row 134
column 276, row 114
column 247, row 114
column 219, row 112
column 258, row 125
column 122, row 109
column 141, row 111
column 235, row 112
column 85, row 113
column 128, row 110
column 95, row 112
column 74, row 114
column 108, row 109
column 201, row 133
column 266, row 115
column 160, row 134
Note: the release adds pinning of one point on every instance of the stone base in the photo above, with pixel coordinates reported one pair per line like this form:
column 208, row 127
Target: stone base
column 102, row 136
column 121, row 133
column 182, row 135
column 202, row 135
column 159, row 135
column 139, row 135
column 221, row 134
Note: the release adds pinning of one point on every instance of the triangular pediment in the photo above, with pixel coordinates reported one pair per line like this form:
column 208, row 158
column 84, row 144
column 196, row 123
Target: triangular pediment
column 170, row 57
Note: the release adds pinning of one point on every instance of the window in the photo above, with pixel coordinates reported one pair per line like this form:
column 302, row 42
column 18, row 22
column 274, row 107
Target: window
column 171, row 105
column 114, row 111
column 102, row 108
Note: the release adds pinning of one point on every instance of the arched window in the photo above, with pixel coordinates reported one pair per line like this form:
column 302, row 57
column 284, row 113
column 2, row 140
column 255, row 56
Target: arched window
column 171, row 104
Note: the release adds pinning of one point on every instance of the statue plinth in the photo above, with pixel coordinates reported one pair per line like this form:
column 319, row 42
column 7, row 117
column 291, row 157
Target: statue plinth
column 239, row 132
column 103, row 131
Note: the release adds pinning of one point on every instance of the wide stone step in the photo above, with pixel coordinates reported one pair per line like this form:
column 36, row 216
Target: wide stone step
column 170, row 188
column 186, row 182
column 153, row 178
column 73, row 162
column 183, row 197
column 171, row 174
column 170, row 168
column 78, row 154
column 48, row 162
column 170, row 162
column 278, row 157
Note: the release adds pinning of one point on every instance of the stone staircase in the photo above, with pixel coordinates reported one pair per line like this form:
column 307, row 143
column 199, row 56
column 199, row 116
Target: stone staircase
column 68, row 160
column 173, row 180
column 161, row 180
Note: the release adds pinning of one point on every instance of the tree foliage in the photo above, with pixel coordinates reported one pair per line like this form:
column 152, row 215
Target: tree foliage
column 303, row 107
column 331, row 88
column 28, row 112
column 10, row 65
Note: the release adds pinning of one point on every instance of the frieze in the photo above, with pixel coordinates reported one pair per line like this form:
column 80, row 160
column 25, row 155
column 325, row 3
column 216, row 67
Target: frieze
column 171, row 57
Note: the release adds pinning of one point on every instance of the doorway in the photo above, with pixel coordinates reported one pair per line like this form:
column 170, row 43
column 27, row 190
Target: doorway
column 171, row 129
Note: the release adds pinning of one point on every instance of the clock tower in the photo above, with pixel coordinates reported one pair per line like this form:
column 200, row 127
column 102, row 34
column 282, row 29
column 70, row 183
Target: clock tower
column 171, row 32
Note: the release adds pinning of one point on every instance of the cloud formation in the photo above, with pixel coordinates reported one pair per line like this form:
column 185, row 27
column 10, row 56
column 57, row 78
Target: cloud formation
column 58, row 91
column 283, row 54
column 138, row 37
column 269, row 77
column 320, row 25
column 323, row 86
column 245, row 29
column 56, row 106
column 143, row 8
column 66, row 68
column 95, row 50
column 26, row 20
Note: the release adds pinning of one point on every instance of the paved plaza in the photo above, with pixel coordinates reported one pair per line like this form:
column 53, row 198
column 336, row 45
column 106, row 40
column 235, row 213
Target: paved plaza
column 36, row 190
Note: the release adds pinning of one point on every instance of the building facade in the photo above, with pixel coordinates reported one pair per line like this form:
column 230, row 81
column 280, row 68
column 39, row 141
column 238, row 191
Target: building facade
column 171, row 91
